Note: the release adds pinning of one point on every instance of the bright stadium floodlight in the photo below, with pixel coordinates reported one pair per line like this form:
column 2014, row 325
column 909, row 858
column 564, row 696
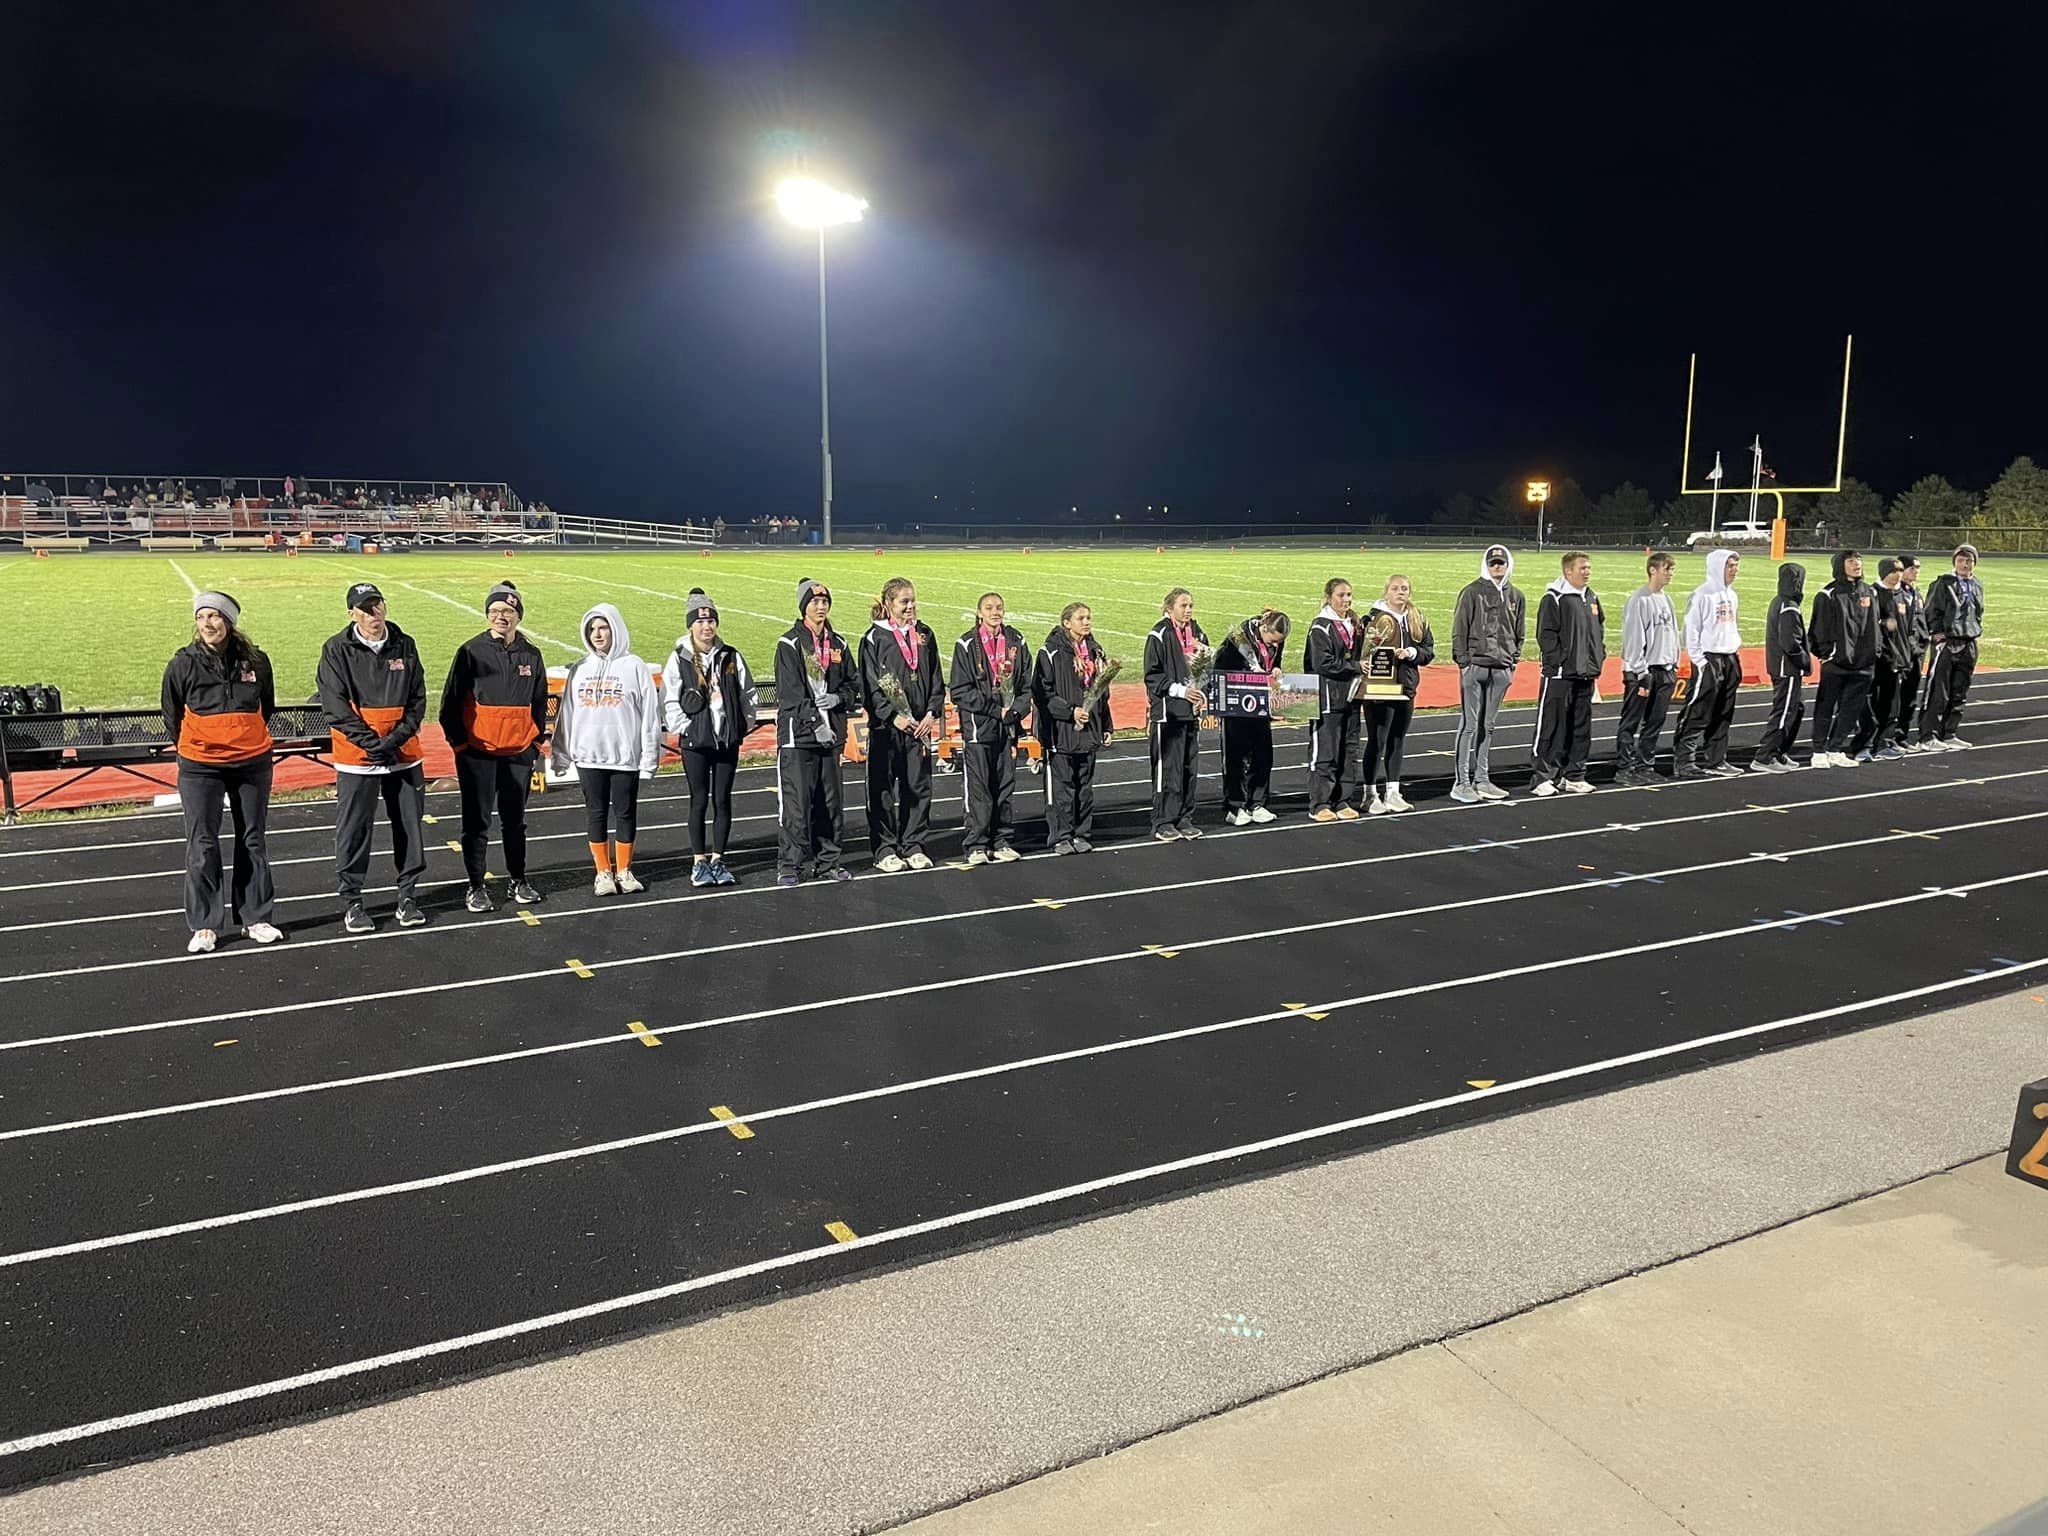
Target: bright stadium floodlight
column 813, row 205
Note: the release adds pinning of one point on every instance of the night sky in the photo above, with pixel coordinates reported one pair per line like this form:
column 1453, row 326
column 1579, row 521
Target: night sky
column 1218, row 257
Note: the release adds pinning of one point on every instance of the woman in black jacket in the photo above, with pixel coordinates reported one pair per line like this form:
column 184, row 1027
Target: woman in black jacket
column 1071, row 730
column 903, row 689
column 816, row 689
column 1254, row 646
column 709, row 704
column 1175, row 648
column 991, row 685
column 1335, row 642
column 218, row 698
column 1386, row 720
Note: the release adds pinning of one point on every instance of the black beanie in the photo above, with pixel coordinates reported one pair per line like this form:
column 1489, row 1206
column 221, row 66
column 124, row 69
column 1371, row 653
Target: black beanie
column 505, row 592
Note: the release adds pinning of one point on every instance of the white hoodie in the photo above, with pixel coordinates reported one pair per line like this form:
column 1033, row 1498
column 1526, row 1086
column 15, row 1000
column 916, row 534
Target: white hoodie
column 611, row 711
column 1710, row 616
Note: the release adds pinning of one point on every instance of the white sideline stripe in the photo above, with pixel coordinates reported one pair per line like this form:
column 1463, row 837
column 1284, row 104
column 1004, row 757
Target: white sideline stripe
column 675, row 1133
column 190, row 585
column 1445, row 808
column 1752, row 695
column 1115, row 957
column 418, row 1352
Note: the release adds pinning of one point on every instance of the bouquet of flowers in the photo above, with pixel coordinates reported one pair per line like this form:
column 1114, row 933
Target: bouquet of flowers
column 1201, row 662
column 898, row 701
column 1002, row 679
column 1093, row 695
column 814, row 673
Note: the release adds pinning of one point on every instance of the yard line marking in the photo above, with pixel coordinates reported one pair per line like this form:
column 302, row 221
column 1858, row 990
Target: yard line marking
column 994, row 1069
column 759, row 1015
column 731, row 1122
column 579, row 968
column 1302, row 1008
column 1903, row 832
column 639, row 1028
column 190, row 585
column 841, row 1232
column 365, row 1364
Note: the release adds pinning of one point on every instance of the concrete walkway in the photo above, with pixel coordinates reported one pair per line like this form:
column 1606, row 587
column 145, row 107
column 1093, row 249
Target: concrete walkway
column 1875, row 1369
column 1879, row 1368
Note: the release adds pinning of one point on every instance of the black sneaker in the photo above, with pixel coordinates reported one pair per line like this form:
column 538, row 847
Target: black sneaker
column 523, row 892
column 1189, row 830
column 357, row 920
column 479, row 900
column 409, row 914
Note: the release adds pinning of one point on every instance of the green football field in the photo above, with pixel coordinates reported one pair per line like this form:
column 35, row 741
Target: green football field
column 101, row 626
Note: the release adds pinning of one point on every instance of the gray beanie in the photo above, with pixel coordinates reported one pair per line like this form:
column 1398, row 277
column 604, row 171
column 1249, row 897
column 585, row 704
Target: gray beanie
column 505, row 592
column 220, row 603
column 697, row 606
column 806, row 590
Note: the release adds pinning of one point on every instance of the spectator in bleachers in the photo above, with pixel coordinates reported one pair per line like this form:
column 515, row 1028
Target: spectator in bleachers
column 718, row 528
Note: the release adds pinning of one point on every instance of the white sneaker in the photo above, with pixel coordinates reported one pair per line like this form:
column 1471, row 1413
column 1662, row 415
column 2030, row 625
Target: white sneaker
column 1578, row 787
column 1488, row 790
column 630, row 883
column 264, row 933
column 1395, row 802
column 1377, row 807
column 1955, row 744
column 1844, row 760
column 1261, row 815
column 1934, row 744
column 888, row 864
column 919, row 860
column 978, row 856
column 1239, row 818
column 1822, row 760
column 606, row 884
column 1543, row 787
column 201, row 943
column 1006, row 855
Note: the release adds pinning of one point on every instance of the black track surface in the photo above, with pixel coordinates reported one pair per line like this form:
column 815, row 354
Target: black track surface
column 263, row 1183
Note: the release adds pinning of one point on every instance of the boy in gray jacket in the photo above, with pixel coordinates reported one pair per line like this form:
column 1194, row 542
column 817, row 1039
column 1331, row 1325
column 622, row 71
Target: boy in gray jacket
column 1486, row 642
column 1649, row 669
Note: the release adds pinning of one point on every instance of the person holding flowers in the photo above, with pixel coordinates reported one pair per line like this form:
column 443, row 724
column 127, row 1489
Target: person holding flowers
column 904, row 693
column 1254, row 646
column 991, row 685
column 816, row 688
column 1070, row 691
column 1177, row 665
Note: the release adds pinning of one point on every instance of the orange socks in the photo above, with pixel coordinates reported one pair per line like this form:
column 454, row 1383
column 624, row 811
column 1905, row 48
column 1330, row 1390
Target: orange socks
column 624, row 852
column 601, row 856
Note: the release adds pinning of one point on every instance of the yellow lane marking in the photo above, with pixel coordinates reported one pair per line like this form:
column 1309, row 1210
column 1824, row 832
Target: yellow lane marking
column 1775, row 810
column 740, row 1129
column 528, row 918
column 840, row 1231
column 1932, row 837
column 1303, row 1008
column 579, row 968
column 647, row 1036
column 1481, row 1082
column 454, row 846
column 432, row 821
column 958, row 864
column 1047, row 901
column 237, row 1040
column 1162, row 951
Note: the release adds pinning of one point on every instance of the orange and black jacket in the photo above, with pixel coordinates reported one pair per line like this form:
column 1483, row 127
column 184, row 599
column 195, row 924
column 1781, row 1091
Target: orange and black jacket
column 372, row 697
column 495, row 702
column 219, row 711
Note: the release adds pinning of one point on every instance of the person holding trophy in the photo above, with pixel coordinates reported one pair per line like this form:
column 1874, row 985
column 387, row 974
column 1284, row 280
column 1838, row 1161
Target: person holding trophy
column 991, row 684
column 1335, row 644
column 1177, row 666
column 1248, row 661
column 1070, row 695
column 1398, row 646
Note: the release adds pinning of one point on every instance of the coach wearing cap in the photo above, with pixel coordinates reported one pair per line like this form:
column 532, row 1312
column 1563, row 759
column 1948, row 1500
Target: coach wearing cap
column 374, row 694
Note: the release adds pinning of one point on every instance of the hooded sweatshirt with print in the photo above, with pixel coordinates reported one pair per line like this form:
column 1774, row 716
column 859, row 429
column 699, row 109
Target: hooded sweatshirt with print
column 1571, row 635
column 1710, row 628
column 1488, row 626
column 610, row 714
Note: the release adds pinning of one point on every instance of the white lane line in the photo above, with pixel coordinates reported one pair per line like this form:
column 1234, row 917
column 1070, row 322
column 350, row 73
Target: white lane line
column 1751, row 697
column 362, row 1366
column 755, row 1117
column 190, row 585
column 1112, row 958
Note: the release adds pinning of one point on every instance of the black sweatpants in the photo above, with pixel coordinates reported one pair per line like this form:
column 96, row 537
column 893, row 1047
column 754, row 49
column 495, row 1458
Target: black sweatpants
column 611, row 803
column 245, row 787
column 810, row 809
column 988, row 782
column 899, row 792
column 1879, row 722
column 1070, row 796
column 1645, row 700
column 1247, row 763
column 1386, row 741
column 1175, row 745
column 1788, row 708
column 1332, row 760
column 1564, row 728
column 1702, row 735
column 1948, row 688
column 1838, row 705
column 489, row 784
column 710, row 771
column 1909, row 706
column 356, row 796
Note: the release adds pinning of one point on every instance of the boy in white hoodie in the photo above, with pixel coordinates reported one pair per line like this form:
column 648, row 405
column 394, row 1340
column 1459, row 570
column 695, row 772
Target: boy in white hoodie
column 1700, row 750
column 609, row 726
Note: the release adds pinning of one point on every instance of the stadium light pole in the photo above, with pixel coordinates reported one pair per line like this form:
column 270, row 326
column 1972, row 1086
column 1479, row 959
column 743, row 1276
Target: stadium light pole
column 812, row 205
column 1538, row 492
